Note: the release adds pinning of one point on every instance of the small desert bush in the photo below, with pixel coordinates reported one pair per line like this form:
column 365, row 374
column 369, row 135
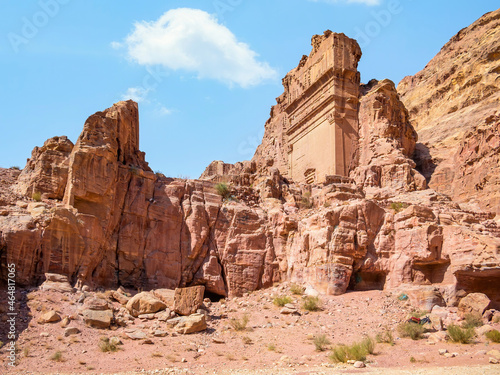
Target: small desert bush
column 418, row 313
column 398, row 206
column 106, row 346
column 282, row 301
column 246, row 340
column 460, row 335
column 493, row 336
column 413, row 360
column 306, row 200
column 239, row 324
column 57, row 357
column 311, row 303
column 368, row 344
column 37, row 196
column 356, row 352
column 321, row 342
column 472, row 321
column 223, row 190
column 297, row 289
column 134, row 170
column 15, row 167
column 271, row 347
column 385, row 337
column 411, row 330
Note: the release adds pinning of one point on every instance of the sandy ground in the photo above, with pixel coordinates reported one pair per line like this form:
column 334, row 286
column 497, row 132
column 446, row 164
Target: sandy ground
column 272, row 343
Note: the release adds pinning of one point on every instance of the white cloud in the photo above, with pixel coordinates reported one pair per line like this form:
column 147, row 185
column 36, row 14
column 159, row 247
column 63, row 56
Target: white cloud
column 366, row 2
column 137, row 94
column 192, row 40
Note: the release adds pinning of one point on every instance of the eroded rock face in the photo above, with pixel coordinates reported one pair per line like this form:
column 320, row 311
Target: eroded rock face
column 386, row 144
column 46, row 172
column 120, row 224
column 452, row 98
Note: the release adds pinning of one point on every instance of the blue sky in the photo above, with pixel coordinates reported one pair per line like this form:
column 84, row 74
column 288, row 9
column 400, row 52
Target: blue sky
column 206, row 73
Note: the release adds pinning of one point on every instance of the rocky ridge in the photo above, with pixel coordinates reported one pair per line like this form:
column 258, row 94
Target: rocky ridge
column 113, row 222
column 453, row 105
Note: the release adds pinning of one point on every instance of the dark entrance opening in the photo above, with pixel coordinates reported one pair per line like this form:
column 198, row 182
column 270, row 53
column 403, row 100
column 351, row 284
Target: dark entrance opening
column 486, row 281
column 214, row 297
column 367, row 281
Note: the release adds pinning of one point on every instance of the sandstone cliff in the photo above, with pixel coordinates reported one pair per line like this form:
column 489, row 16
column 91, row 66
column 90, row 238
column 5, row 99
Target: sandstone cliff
column 453, row 99
column 103, row 218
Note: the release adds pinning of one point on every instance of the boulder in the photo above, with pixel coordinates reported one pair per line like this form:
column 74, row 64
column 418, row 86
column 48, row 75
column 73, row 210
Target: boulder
column 188, row 300
column 95, row 303
column 56, row 283
column 144, row 303
column 120, row 297
column 49, row 317
column 191, row 324
column 165, row 295
column 98, row 318
column 136, row 334
column 473, row 303
column 425, row 298
column 71, row 331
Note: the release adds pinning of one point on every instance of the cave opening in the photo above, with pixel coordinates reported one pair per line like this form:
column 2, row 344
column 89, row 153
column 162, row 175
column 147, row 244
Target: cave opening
column 213, row 297
column 368, row 281
column 486, row 282
column 431, row 273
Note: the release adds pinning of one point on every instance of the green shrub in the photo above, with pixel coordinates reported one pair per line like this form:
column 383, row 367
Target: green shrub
column 306, row 200
column 460, row 335
column 106, row 346
column 282, row 301
column 297, row 289
column 321, row 342
column 15, row 167
column 339, row 354
column 271, row 347
column 472, row 321
column 493, row 336
column 223, row 190
column 57, row 357
column 37, row 196
column 356, row 352
column 368, row 345
column 413, row 360
column 311, row 303
column 418, row 313
column 411, row 330
column 385, row 337
column 134, row 170
column 398, row 206
column 239, row 324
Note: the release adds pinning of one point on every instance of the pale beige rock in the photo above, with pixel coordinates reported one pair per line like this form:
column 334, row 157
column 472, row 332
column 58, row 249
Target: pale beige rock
column 191, row 324
column 165, row 295
column 49, row 317
column 473, row 303
column 71, row 331
column 57, row 283
column 188, row 300
column 144, row 303
column 98, row 318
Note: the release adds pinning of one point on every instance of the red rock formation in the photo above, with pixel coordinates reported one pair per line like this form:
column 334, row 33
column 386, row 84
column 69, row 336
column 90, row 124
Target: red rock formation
column 47, row 170
column 453, row 96
column 121, row 224
column 386, row 144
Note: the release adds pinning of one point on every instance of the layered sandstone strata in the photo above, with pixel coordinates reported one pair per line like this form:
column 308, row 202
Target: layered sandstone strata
column 450, row 101
column 112, row 221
